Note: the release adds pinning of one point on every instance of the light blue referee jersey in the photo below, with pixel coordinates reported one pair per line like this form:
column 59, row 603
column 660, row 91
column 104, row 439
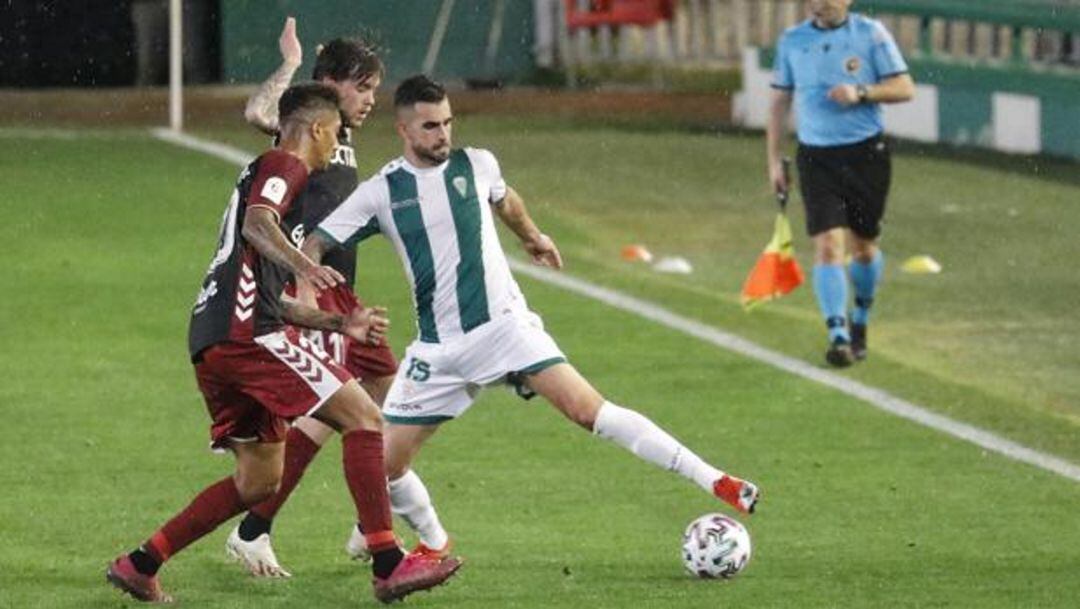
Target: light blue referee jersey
column 811, row 60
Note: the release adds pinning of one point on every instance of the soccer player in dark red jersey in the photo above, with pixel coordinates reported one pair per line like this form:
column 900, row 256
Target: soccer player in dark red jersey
column 256, row 372
column 354, row 70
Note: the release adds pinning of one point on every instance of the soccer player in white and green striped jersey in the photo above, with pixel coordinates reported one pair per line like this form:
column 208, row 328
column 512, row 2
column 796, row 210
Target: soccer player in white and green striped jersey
column 437, row 206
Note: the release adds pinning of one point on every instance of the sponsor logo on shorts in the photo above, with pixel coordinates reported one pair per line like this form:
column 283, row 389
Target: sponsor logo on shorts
column 405, row 407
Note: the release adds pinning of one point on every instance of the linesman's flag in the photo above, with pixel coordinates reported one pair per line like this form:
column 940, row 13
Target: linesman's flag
column 776, row 271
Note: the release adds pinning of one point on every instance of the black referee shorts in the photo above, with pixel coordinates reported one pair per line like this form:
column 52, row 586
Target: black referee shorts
column 845, row 186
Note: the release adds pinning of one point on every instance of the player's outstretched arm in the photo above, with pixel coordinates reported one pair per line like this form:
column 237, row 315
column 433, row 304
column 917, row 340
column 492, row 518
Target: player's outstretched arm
column 368, row 325
column 511, row 210
column 261, row 110
column 262, row 232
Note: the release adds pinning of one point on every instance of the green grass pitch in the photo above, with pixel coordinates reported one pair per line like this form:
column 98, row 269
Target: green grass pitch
column 106, row 238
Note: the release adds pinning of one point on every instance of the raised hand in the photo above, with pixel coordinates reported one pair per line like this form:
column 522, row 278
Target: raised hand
column 291, row 51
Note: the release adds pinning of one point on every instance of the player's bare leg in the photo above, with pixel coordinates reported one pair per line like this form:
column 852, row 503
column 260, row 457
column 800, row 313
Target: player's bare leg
column 866, row 268
column 357, row 418
column 378, row 387
column 831, row 290
column 572, row 395
column 249, row 542
column 258, row 471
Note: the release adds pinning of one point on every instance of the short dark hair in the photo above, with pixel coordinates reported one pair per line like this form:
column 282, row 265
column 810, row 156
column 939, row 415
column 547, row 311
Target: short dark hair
column 303, row 101
column 416, row 89
column 344, row 59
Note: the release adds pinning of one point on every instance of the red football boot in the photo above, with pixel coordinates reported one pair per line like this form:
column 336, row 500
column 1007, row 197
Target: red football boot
column 743, row 495
column 432, row 553
column 414, row 572
column 123, row 574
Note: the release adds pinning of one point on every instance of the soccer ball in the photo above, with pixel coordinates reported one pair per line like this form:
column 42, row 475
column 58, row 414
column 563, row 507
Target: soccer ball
column 715, row 545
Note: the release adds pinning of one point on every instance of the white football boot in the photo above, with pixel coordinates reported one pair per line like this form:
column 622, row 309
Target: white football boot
column 257, row 555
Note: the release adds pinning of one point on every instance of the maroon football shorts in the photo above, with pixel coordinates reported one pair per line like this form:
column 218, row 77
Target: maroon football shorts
column 253, row 389
column 365, row 362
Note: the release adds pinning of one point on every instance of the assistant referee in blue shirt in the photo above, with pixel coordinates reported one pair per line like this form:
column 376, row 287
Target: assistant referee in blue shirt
column 839, row 67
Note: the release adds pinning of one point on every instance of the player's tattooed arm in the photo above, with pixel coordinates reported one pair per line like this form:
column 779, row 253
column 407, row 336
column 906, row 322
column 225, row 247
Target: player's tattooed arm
column 511, row 210
column 261, row 231
column 315, row 245
column 367, row 325
column 261, row 110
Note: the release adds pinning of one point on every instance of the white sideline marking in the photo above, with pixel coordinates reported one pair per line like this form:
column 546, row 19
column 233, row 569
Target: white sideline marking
column 215, row 149
column 877, row 398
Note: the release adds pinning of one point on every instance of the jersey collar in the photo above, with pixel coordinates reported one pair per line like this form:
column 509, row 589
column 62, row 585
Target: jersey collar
column 838, row 26
column 423, row 171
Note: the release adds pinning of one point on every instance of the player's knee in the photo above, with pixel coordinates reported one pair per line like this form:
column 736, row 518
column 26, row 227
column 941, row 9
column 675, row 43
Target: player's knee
column 351, row 410
column 577, row 408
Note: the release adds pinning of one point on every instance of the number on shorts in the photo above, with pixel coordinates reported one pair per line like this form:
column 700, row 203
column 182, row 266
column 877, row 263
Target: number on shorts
column 336, row 349
column 418, row 371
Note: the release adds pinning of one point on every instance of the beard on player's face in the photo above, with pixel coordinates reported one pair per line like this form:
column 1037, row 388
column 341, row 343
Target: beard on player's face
column 435, row 155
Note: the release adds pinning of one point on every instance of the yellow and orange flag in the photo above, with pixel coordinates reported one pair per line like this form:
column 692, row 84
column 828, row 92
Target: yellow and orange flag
column 776, row 271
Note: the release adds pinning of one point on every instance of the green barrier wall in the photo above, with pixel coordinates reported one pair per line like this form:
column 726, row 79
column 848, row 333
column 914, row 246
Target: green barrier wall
column 403, row 28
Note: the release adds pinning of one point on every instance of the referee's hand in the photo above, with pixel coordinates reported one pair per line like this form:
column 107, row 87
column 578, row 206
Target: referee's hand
column 845, row 95
column 777, row 176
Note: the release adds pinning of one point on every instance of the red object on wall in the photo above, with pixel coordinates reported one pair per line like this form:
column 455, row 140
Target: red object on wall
column 619, row 12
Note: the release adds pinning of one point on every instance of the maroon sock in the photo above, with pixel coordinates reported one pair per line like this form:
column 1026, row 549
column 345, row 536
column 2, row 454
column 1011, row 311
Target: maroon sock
column 299, row 451
column 216, row 504
column 365, row 473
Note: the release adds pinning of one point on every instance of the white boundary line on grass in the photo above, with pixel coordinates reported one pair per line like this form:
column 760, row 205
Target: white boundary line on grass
column 877, row 398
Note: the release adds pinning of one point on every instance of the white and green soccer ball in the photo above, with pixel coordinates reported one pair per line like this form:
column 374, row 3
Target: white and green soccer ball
column 715, row 546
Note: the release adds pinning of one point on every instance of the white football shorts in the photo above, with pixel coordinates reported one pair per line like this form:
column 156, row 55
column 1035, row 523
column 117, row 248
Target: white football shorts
column 436, row 382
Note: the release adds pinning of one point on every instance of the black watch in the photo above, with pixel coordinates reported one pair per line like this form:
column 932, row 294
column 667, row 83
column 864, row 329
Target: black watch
column 862, row 92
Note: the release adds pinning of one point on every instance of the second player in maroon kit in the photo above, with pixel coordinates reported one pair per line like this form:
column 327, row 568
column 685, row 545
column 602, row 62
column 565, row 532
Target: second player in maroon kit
column 256, row 372
column 355, row 72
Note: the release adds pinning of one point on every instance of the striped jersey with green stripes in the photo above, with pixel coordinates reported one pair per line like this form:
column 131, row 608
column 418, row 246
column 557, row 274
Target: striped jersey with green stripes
column 442, row 227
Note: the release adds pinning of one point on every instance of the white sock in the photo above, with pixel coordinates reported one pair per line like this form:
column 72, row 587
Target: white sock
column 639, row 435
column 410, row 500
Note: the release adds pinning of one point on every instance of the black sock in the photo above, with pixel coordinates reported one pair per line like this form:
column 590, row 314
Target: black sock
column 383, row 563
column 144, row 563
column 254, row 525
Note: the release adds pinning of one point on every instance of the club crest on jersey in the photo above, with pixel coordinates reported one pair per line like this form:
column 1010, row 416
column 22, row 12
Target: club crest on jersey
column 274, row 190
column 852, row 65
column 461, row 185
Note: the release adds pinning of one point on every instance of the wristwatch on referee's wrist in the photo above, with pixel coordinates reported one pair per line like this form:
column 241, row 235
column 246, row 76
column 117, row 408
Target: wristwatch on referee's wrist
column 862, row 92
